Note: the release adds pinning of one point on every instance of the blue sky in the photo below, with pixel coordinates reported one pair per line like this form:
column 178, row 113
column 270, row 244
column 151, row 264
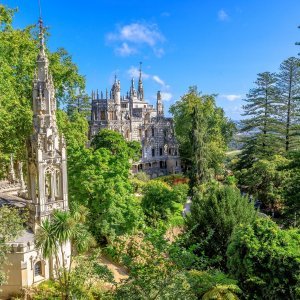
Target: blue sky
column 217, row 45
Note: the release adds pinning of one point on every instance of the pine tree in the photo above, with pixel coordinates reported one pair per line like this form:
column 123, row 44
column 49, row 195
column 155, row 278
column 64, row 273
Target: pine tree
column 262, row 108
column 289, row 85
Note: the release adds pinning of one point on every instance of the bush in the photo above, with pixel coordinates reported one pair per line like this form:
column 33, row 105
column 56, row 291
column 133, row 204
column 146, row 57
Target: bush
column 266, row 260
column 215, row 212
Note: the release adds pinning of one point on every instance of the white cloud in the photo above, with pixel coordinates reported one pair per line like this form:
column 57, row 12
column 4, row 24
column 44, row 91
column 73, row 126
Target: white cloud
column 166, row 96
column 136, row 35
column 134, row 72
column 222, row 15
column 158, row 80
column 231, row 97
column 125, row 50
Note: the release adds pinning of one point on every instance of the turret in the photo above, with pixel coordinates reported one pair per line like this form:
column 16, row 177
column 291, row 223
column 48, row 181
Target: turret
column 116, row 91
column 140, row 87
column 159, row 105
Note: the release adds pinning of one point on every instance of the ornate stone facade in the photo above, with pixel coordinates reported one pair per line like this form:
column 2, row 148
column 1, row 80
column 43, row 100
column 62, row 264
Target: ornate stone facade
column 139, row 121
column 47, row 184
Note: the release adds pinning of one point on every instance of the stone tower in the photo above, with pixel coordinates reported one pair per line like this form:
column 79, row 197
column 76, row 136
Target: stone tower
column 159, row 105
column 47, row 169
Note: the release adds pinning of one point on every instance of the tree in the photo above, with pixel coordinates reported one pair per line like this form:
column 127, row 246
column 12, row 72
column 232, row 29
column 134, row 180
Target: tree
column 157, row 269
column 215, row 212
column 160, row 202
column 52, row 237
column 99, row 180
column 203, row 132
column 18, row 53
column 213, row 284
column 265, row 260
column 262, row 125
column 289, row 87
column 11, row 225
column 265, row 180
column 291, row 190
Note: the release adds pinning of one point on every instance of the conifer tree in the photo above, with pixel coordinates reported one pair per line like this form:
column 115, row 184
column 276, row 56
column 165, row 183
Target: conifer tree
column 289, row 86
column 261, row 110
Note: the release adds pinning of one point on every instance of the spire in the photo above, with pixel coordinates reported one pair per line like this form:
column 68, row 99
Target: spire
column 159, row 105
column 41, row 38
column 140, row 79
column 140, row 87
column 97, row 94
column 132, row 89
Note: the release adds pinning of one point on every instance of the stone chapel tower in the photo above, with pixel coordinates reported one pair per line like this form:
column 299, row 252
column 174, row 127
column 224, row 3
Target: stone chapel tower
column 47, row 161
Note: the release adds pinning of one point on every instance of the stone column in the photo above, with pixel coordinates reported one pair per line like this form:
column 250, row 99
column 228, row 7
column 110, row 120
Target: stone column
column 21, row 177
column 12, row 175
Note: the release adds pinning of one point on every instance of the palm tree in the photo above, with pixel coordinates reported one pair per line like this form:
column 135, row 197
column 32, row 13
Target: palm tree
column 222, row 292
column 52, row 236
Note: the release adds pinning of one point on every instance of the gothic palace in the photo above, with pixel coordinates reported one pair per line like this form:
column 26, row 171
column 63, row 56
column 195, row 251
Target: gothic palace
column 139, row 121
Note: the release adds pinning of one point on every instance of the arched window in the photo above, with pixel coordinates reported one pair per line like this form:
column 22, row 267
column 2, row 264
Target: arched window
column 38, row 269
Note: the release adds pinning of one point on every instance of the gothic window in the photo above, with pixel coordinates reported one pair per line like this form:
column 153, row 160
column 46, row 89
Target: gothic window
column 160, row 151
column 176, row 163
column 170, row 151
column 140, row 133
column 38, row 269
column 153, row 152
column 152, row 131
column 102, row 115
column 112, row 115
column 127, row 134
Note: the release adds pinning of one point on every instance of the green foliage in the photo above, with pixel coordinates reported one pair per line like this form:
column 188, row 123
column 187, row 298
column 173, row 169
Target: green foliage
column 18, row 53
column 157, row 269
column 54, row 234
column 261, row 109
column 203, row 132
column 291, row 191
column 11, row 225
column 48, row 289
column 99, row 179
column 215, row 213
column 289, row 86
column 160, row 202
column 266, row 260
column 265, row 180
column 213, row 285
column 88, row 275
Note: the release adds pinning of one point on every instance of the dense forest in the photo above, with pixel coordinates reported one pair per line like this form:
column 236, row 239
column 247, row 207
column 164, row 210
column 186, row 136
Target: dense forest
column 240, row 239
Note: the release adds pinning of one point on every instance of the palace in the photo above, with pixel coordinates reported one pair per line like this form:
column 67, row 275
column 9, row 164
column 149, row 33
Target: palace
column 46, row 187
column 139, row 121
